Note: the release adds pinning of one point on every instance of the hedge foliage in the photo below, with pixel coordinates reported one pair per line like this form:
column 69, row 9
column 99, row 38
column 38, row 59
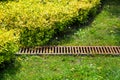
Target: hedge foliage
column 39, row 20
column 8, row 45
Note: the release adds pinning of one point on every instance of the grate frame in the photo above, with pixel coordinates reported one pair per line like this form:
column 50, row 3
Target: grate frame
column 115, row 50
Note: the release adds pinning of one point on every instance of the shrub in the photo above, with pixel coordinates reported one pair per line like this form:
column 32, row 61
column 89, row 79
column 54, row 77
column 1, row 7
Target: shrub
column 8, row 45
column 39, row 20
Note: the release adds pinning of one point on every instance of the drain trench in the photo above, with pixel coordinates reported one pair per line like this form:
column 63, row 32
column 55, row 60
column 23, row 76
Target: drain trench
column 71, row 50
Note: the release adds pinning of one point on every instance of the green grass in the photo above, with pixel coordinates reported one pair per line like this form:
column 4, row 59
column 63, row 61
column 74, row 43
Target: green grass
column 63, row 68
column 103, row 30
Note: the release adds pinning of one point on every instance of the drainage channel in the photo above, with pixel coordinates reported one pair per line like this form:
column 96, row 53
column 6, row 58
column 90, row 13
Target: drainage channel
column 115, row 50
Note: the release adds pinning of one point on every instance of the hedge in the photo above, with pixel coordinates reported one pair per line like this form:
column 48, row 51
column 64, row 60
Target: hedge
column 39, row 20
column 8, row 45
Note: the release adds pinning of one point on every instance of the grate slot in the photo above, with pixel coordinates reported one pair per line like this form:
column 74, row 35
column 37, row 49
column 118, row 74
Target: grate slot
column 62, row 50
column 89, row 50
column 69, row 51
column 21, row 50
column 94, row 50
column 34, row 51
column 73, row 50
column 115, row 50
column 97, row 49
column 37, row 50
column 65, row 49
column 118, row 49
column 24, row 50
column 56, row 49
column 42, row 50
column 103, row 50
column 77, row 51
column 110, row 51
column 106, row 50
column 28, row 51
column 83, row 49
column 48, row 49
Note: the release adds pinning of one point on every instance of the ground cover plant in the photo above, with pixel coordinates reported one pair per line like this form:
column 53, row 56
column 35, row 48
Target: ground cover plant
column 38, row 20
column 8, row 46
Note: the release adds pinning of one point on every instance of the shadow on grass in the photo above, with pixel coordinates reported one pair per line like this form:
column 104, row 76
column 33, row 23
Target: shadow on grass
column 8, row 0
column 9, row 70
column 113, row 6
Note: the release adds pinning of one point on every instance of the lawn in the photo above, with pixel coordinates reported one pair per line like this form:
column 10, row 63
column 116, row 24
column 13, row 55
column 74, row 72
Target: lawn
column 63, row 68
column 104, row 29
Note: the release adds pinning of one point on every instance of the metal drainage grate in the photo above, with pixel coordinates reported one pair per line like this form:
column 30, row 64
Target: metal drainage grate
column 71, row 50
